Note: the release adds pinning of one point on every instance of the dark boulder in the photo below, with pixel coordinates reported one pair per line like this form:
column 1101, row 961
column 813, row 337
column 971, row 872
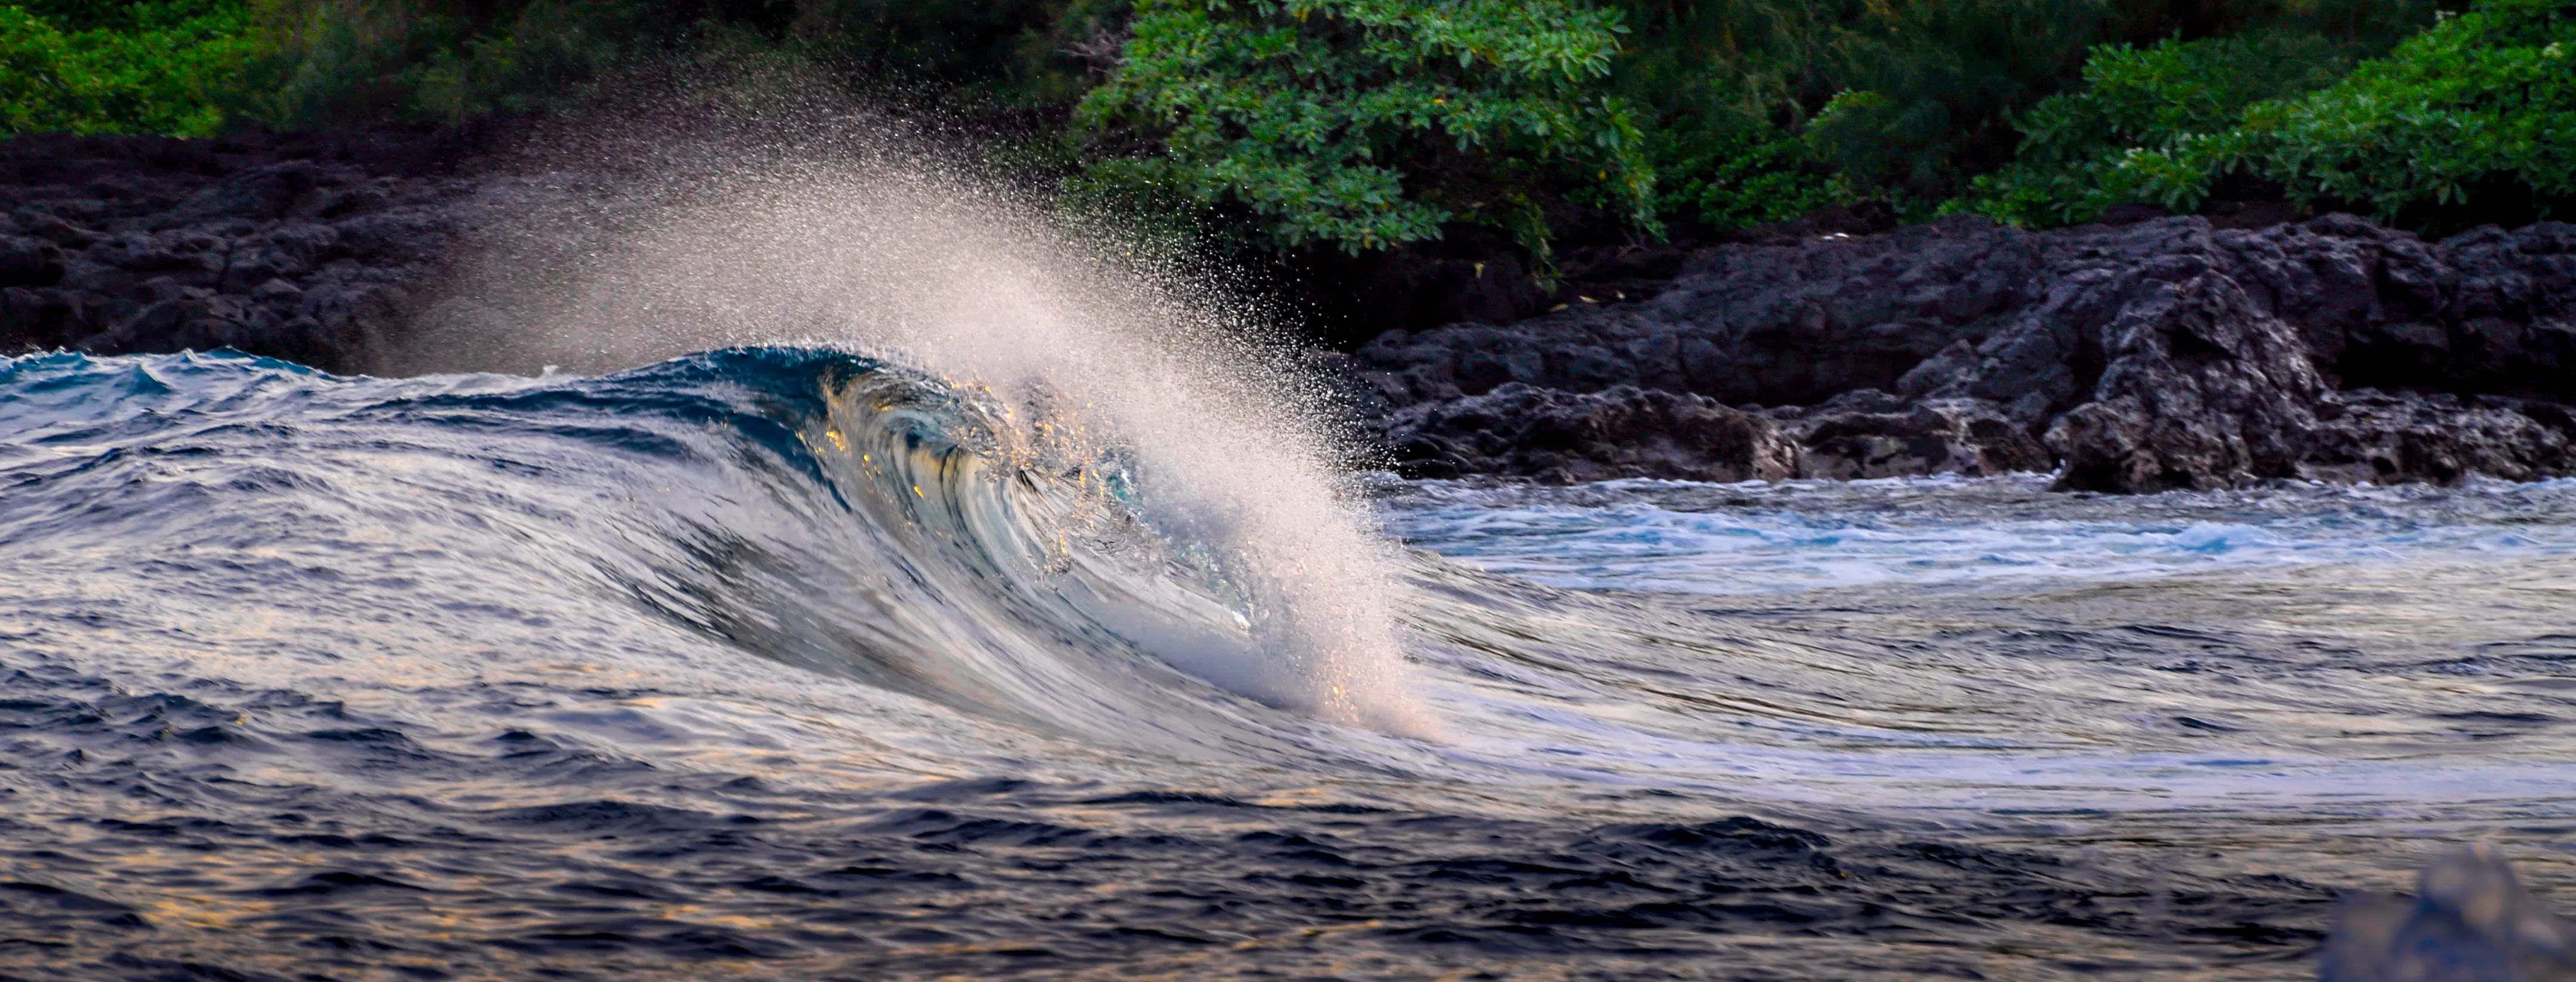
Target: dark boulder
column 2199, row 388
column 1871, row 434
column 2166, row 353
column 1521, row 431
column 29, row 262
column 311, row 249
column 2383, row 438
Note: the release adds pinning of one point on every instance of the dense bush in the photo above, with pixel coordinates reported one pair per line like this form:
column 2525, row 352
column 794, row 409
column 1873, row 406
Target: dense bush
column 1359, row 124
column 2479, row 106
column 1369, row 123
column 2484, row 103
column 99, row 67
column 1929, row 85
column 1725, row 177
column 2114, row 141
column 444, row 61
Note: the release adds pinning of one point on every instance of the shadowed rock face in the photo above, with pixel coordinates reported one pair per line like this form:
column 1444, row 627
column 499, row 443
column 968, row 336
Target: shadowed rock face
column 312, row 249
column 2166, row 354
column 1521, row 431
column 2471, row 921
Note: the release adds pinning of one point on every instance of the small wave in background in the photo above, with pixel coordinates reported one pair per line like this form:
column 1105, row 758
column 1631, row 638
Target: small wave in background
column 1802, row 535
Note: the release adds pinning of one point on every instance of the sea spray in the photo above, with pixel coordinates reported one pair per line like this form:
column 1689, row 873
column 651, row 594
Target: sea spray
column 840, row 234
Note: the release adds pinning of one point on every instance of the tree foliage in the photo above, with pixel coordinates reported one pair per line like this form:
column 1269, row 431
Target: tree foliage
column 151, row 67
column 2107, row 143
column 2483, row 100
column 1368, row 123
column 2481, row 105
column 1360, row 124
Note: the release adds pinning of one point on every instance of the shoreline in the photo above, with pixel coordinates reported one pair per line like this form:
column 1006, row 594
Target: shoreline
column 2161, row 354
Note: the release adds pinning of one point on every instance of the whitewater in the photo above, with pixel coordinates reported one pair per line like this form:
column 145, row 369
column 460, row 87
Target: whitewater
column 837, row 579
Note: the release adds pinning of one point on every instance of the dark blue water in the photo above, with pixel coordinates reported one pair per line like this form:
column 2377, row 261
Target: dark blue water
column 768, row 664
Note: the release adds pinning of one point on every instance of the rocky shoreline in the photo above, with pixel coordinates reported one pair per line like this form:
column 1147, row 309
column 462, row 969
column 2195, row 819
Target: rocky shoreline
column 2167, row 353
column 2158, row 355
column 308, row 248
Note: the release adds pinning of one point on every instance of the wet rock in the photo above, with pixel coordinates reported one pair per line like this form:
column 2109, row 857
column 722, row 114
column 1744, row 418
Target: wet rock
column 2471, row 921
column 2385, row 438
column 29, row 262
column 1551, row 435
column 1871, row 434
column 1767, row 324
column 2200, row 390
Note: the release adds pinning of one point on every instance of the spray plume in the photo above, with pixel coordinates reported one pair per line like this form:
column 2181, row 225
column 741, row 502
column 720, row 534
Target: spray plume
column 832, row 229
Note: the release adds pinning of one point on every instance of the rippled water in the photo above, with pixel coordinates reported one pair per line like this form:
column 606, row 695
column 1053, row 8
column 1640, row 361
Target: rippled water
column 778, row 663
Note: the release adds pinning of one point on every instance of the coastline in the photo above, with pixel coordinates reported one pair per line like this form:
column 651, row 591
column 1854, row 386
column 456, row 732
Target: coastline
column 2161, row 354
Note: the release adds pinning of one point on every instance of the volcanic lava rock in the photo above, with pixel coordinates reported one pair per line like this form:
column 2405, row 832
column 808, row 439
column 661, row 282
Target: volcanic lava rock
column 2369, row 435
column 306, row 248
column 1522, row 431
column 1869, row 434
column 2162, row 354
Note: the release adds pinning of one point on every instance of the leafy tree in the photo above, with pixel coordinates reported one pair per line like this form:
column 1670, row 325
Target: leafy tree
column 1369, row 123
column 1719, row 88
column 1929, row 86
column 444, row 61
column 2481, row 106
column 139, row 67
column 1905, row 100
column 2115, row 140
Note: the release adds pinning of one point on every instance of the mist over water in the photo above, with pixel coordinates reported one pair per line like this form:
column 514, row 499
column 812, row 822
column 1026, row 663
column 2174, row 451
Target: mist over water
column 782, row 557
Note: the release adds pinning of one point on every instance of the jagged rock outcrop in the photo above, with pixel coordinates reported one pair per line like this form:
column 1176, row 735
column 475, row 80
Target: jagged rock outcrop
column 1870, row 434
column 2166, row 354
column 306, row 248
column 1520, row 431
column 2369, row 435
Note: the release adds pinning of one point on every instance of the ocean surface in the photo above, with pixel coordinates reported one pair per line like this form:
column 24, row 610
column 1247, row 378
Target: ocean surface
column 775, row 663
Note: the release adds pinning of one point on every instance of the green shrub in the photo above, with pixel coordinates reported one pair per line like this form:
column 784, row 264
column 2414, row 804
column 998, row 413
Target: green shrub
column 1719, row 87
column 1730, row 177
column 969, row 56
column 358, row 61
column 1369, row 123
column 1928, row 87
column 2117, row 139
column 1907, row 100
column 122, row 68
column 2481, row 105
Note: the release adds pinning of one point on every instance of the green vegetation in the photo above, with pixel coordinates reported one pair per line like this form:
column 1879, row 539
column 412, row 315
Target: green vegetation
column 1366, row 123
column 155, row 66
column 2473, row 118
column 1356, row 125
